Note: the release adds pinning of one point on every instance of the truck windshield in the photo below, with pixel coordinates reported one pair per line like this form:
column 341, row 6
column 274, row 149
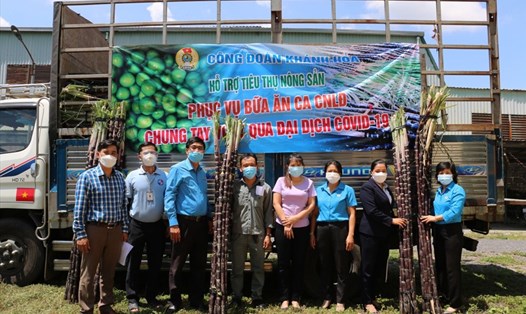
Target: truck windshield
column 16, row 128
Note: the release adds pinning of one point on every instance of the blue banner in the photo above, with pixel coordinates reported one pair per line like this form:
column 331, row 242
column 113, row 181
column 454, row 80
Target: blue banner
column 293, row 98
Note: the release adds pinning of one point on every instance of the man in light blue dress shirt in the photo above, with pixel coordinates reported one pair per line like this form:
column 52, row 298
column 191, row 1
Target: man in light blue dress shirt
column 145, row 191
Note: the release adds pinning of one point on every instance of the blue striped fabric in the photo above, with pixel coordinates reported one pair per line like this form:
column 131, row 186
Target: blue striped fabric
column 101, row 199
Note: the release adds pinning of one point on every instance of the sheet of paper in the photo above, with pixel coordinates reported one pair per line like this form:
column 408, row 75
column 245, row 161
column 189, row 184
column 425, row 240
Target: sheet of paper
column 259, row 190
column 125, row 250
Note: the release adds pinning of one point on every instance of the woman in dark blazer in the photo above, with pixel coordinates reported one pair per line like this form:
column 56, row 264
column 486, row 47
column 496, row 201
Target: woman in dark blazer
column 375, row 229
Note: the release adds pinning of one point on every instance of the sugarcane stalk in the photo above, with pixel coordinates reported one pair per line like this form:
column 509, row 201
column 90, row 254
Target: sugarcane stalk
column 431, row 108
column 407, row 295
column 225, row 169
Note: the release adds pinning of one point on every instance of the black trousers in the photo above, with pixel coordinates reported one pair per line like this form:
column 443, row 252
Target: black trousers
column 153, row 236
column 194, row 242
column 448, row 253
column 375, row 251
column 291, row 261
column 335, row 261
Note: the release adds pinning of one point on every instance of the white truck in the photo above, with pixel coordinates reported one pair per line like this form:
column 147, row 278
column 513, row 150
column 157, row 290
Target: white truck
column 40, row 160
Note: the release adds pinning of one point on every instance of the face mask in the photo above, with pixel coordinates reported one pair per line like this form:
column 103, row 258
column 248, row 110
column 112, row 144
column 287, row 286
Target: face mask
column 195, row 156
column 249, row 172
column 445, row 179
column 149, row 159
column 107, row 161
column 379, row 177
column 296, row 171
column 332, row 177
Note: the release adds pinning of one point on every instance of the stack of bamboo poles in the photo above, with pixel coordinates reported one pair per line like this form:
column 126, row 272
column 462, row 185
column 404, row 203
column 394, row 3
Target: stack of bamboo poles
column 408, row 302
column 224, row 179
column 433, row 104
column 108, row 124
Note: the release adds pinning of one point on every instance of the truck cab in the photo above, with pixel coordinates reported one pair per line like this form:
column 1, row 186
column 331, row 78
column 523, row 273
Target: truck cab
column 24, row 157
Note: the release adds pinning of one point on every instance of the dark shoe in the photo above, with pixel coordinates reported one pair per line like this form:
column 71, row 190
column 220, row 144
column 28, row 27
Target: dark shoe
column 133, row 306
column 258, row 304
column 236, row 302
column 106, row 310
column 199, row 307
column 154, row 304
column 173, row 307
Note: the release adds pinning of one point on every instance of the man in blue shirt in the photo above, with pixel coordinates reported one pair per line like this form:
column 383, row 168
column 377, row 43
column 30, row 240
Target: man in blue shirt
column 188, row 211
column 145, row 191
column 100, row 224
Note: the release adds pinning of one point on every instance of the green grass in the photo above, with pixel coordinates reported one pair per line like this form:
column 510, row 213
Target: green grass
column 501, row 259
column 490, row 285
column 497, row 235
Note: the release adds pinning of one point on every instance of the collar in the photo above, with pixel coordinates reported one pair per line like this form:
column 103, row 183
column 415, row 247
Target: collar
column 99, row 172
column 187, row 164
column 258, row 182
column 142, row 171
column 448, row 188
column 325, row 187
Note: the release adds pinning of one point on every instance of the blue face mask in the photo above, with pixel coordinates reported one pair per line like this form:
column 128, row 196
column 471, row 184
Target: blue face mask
column 249, row 172
column 195, row 156
column 296, row 171
column 445, row 179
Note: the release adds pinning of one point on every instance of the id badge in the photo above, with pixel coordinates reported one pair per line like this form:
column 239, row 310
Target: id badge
column 149, row 196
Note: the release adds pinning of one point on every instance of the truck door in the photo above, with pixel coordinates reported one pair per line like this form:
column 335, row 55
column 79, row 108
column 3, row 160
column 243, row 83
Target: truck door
column 18, row 160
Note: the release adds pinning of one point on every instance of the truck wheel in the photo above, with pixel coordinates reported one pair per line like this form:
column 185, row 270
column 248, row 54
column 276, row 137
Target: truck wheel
column 21, row 253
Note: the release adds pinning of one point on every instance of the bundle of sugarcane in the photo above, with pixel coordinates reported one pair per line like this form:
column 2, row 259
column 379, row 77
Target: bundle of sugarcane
column 108, row 124
column 224, row 179
column 397, row 123
column 432, row 105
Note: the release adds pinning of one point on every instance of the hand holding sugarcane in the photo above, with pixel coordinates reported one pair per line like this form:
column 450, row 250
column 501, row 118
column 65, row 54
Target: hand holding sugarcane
column 430, row 218
column 400, row 222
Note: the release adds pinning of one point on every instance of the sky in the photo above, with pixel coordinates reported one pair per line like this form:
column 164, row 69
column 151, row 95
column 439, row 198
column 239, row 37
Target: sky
column 511, row 25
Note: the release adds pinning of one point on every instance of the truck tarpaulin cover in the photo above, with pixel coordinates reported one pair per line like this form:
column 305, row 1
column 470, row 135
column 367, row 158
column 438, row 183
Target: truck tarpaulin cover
column 293, row 98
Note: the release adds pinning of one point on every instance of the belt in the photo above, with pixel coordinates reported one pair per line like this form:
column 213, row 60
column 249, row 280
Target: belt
column 334, row 223
column 192, row 218
column 108, row 225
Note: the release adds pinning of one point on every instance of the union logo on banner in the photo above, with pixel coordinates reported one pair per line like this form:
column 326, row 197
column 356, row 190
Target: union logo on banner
column 25, row 194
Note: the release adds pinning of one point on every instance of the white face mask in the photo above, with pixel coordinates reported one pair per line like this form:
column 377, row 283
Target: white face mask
column 332, row 177
column 107, row 161
column 379, row 177
column 445, row 179
column 149, row 159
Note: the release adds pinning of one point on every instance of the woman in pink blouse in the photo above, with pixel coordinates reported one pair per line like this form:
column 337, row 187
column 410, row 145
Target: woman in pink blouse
column 294, row 200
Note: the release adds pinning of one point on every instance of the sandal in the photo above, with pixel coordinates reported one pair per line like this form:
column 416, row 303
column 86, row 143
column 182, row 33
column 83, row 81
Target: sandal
column 296, row 305
column 450, row 310
column 133, row 306
column 370, row 308
column 284, row 305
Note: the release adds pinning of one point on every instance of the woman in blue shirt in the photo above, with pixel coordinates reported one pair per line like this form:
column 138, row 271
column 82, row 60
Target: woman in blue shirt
column 447, row 234
column 333, row 221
